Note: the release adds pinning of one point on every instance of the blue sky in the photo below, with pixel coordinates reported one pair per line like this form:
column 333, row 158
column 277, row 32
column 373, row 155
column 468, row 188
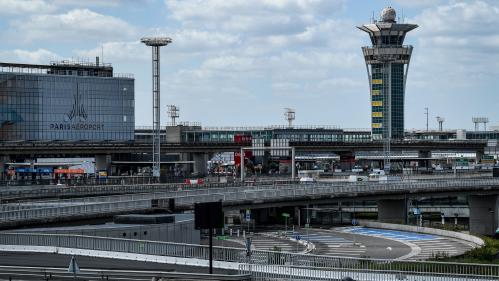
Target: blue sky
column 239, row 62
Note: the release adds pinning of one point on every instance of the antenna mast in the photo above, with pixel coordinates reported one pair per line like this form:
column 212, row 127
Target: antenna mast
column 173, row 113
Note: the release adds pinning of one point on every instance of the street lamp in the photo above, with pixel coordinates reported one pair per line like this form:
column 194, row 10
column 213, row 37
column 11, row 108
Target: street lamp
column 156, row 43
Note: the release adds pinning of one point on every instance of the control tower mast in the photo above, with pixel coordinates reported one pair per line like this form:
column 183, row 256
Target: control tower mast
column 387, row 64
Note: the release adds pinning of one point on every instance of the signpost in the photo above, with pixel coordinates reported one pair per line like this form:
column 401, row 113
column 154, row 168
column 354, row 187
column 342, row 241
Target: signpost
column 247, row 217
column 209, row 216
column 248, row 247
column 286, row 216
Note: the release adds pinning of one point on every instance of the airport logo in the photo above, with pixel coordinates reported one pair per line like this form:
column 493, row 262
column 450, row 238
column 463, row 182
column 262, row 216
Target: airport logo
column 76, row 118
column 77, row 110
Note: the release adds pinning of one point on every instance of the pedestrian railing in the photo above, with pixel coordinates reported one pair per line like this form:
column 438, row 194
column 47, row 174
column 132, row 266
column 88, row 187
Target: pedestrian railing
column 58, row 273
column 285, row 272
column 267, row 265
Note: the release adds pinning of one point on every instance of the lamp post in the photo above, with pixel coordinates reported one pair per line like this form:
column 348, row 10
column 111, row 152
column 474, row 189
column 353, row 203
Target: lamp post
column 156, row 43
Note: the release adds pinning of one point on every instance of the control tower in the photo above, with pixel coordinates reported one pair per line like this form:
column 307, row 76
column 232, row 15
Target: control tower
column 387, row 63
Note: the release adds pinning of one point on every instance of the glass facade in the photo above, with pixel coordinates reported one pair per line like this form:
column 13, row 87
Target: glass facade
column 298, row 135
column 380, row 89
column 72, row 108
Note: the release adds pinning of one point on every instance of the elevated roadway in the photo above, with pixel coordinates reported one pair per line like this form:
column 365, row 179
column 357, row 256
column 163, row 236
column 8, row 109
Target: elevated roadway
column 110, row 147
column 391, row 198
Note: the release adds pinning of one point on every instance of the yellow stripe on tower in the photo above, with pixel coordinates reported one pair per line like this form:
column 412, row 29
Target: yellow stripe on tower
column 377, row 103
column 376, row 92
column 377, row 125
column 377, row 81
column 377, row 114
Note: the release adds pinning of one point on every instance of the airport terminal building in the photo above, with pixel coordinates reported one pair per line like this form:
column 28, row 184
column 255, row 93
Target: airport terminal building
column 66, row 101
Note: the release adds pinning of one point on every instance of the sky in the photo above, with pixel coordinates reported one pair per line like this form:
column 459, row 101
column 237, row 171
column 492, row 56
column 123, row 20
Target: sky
column 240, row 62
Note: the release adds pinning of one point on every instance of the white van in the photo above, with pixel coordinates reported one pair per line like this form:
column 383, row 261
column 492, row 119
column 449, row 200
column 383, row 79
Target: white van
column 378, row 175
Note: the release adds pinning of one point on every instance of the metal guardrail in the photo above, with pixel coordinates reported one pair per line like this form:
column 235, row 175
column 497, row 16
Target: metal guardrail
column 375, row 273
column 259, row 261
column 95, row 190
column 56, row 273
column 234, row 195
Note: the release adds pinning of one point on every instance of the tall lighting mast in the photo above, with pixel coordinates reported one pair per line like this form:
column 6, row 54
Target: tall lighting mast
column 156, row 43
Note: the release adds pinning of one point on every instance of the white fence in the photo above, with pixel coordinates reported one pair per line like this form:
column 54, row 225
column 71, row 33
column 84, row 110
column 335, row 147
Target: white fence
column 269, row 265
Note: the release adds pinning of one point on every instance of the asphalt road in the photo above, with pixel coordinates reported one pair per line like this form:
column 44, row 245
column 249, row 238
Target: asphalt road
column 334, row 243
column 56, row 260
column 330, row 243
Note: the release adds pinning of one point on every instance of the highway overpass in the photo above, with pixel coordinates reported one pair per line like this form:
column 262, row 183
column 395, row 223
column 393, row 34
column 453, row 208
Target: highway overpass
column 391, row 197
column 113, row 147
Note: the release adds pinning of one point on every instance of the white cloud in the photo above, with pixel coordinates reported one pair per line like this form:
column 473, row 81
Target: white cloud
column 74, row 25
column 195, row 41
column 459, row 21
column 40, row 56
column 127, row 51
column 418, row 3
column 23, row 7
column 259, row 17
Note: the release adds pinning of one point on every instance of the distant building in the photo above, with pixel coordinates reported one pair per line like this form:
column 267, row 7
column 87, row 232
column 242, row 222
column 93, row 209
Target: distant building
column 387, row 62
column 65, row 101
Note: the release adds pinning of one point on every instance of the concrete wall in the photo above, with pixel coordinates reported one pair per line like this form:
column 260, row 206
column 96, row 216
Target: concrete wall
column 179, row 232
column 200, row 163
column 173, row 134
column 483, row 214
column 392, row 210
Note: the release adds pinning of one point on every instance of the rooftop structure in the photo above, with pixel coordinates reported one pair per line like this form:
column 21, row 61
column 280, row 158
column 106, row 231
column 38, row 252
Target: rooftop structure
column 64, row 67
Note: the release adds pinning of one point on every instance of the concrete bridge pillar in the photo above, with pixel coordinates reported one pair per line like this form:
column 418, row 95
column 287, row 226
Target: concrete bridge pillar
column 200, row 163
column 4, row 159
column 478, row 156
column 392, row 211
column 103, row 163
column 484, row 217
column 424, row 162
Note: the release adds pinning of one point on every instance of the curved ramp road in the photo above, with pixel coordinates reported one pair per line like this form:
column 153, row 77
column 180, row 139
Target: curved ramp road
column 424, row 246
column 340, row 244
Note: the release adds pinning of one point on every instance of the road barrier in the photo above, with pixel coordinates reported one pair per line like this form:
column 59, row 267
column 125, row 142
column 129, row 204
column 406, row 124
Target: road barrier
column 57, row 273
column 264, row 264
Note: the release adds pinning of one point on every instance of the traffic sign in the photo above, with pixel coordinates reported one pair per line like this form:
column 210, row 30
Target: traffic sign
column 354, row 222
column 247, row 216
column 286, row 215
column 298, row 237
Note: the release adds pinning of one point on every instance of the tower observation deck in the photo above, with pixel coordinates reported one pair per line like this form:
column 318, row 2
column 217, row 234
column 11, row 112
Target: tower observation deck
column 387, row 63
